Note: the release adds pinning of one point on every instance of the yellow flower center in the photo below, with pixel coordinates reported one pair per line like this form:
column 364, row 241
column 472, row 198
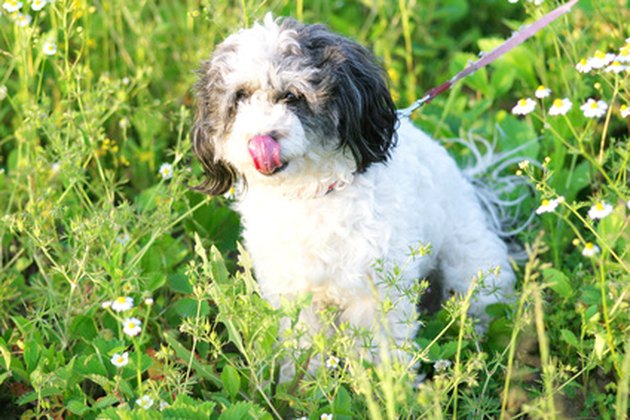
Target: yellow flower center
column 593, row 105
column 624, row 107
column 599, row 54
column 583, row 62
column 616, row 64
column 589, row 246
column 131, row 325
column 121, row 300
column 545, row 203
column 557, row 103
column 599, row 206
column 120, row 359
column 522, row 102
column 541, row 88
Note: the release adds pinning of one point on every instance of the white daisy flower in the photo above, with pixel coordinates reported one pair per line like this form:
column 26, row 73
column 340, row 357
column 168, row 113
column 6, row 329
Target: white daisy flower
column 125, row 81
column 441, row 365
column 560, row 107
column 122, row 304
column 12, row 6
column 148, row 301
column 144, row 402
column 601, row 59
column 166, row 171
column 624, row 54
column 55, row 167
column 132, row 326
column 624, row 110
column 326, row 417
column 3, row 92
column 120, row 360
column 616, row 67
column 123, row 238
column 50, row 48
column 594, row 109
column 542, row 92
column 590, row 250
column 23, row 20
column 524, row 106
column 332, row 362
column 107, row 304
column 163, row 405
column 583, row 66
column 600, row 210
column 547, row 206
column 38, row 4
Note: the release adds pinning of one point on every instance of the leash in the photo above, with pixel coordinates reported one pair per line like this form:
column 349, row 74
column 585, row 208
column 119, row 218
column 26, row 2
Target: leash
column 515, row 40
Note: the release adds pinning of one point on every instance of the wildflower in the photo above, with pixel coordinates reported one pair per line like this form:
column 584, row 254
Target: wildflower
column 123, row 238
column 50, row 48
column 107, row 304
column 144, row 402
column 148, row 301
column 120, row 360
column 624, row 54
column 326, row 417
column 542, row 92
column 22, row 20
column 125, row 81
column 12, row 6
column 55, row 168
column 590, row 250
column 163, row 405
column 560, row 107
column 122, row 303
column 524, row 164
column 624, row 110
column 601, row 59
column 166, row 170
column 536, row 2
column 548, row 206
column 600, row 210
column 132, row 326
column 616, row 67
column 38, row 4
column 583, row 66
column 441, row 365
column 332, row 363
column 3, row 92
column 524, row 106
column 594, row 109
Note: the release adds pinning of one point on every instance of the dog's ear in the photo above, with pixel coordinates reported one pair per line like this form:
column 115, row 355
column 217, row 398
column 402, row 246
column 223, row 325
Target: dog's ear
column 220, row 175
column 357, row 91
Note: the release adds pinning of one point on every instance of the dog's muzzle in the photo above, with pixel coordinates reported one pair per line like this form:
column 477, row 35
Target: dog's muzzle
column 265, row 151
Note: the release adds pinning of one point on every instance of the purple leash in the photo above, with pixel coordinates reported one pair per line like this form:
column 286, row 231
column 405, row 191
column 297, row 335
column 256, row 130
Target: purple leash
column 515, row 40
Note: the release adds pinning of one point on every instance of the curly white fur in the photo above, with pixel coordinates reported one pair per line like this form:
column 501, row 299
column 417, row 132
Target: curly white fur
column 320, row 225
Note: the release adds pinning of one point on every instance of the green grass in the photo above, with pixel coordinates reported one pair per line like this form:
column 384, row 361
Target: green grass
column 86, row 218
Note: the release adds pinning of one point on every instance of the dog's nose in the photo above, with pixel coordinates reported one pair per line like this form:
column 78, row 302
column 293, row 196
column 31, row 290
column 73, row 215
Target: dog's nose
column 265, row 151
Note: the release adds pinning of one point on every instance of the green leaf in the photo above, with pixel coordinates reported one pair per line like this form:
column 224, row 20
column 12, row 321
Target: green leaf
column 231, row 380
column 558, row 282
column 201, row 369
column 77, row 407
column 342, row 405
column 569, row 337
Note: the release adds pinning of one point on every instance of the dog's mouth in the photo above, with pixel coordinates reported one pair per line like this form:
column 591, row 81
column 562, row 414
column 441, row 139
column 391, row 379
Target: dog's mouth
column 265, row 152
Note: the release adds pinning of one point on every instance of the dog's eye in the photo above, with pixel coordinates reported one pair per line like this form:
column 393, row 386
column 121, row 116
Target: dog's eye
column 289, row 98
column 240, row 95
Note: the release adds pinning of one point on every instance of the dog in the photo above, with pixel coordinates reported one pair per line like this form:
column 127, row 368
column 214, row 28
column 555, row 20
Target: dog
column 334, row 181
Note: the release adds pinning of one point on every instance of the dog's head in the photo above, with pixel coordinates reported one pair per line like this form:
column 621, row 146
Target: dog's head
column 290, row 105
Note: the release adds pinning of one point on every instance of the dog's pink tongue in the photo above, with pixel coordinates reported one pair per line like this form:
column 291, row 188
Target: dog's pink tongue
column 265, row 152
